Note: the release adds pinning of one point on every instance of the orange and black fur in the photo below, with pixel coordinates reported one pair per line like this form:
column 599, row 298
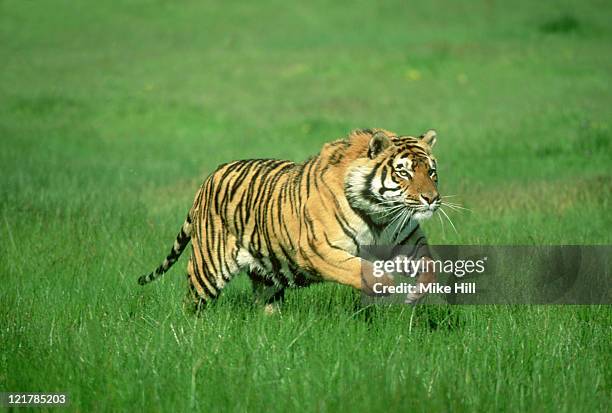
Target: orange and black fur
column 288, row 224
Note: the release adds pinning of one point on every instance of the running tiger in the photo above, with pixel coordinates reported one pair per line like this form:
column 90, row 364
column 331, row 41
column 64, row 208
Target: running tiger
column 291, row 225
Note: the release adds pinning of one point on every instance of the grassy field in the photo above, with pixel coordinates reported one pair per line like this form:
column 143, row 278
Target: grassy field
column 112, row 113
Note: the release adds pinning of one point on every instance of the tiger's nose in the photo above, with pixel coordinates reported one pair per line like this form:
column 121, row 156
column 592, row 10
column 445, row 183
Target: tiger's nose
column 430, row 198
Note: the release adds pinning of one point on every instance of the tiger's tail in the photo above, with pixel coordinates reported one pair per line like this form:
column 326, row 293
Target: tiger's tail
column 182, row 239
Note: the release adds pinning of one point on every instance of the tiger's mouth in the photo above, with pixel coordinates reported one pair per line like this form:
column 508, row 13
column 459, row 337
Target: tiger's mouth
column 423, row 214
column 399, row 211
column 425, row 210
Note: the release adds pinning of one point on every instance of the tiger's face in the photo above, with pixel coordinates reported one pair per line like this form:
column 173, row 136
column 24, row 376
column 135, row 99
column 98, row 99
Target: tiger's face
column 399, row 177
column 411, row 178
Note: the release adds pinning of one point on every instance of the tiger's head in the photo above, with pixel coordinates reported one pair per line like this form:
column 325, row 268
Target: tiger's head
column 396, row 175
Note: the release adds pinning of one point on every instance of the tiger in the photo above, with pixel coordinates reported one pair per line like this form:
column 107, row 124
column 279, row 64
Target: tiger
column 290, row 224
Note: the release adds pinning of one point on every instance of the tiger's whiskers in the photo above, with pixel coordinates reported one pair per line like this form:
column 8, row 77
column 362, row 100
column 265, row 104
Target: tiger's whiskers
column 455, row 207
column 449, row 220
column 442, row 225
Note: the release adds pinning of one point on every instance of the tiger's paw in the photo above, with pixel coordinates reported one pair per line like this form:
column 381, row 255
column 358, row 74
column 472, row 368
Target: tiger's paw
column 413, row 299
column 271, row 309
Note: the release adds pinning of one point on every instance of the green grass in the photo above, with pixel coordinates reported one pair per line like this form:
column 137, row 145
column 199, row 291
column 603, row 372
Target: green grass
column 112, row 113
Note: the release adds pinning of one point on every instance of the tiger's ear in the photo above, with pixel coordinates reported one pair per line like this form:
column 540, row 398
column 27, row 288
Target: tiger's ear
column 429, row 137
column 378, row 143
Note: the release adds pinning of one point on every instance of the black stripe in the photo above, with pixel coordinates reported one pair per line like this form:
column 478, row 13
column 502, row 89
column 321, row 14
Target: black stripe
column 198, row 276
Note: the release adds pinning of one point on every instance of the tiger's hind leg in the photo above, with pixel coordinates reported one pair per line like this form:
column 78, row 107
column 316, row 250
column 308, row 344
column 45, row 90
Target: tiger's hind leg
column 193, row 302
column 267, row 293
column 195, row 298
column 208, row 275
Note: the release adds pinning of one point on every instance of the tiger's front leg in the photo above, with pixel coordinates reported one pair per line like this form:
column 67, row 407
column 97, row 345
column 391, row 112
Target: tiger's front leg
column 417, row 242
column 422, row 280
column 334, row 264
